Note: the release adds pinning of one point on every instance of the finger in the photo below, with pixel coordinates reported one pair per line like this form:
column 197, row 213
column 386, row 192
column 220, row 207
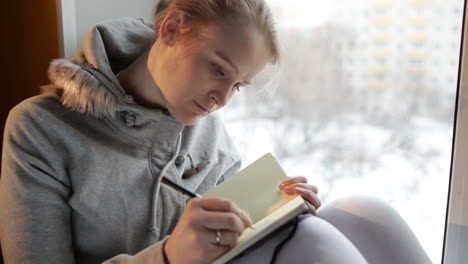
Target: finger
column 292, row 180
column 312, row 209
column 224, row 205
column 221, row 220
column 208, row 246
column 290, row 189
column 226, row 239
column 214, row 204
column 309, row 196
column 246, row 219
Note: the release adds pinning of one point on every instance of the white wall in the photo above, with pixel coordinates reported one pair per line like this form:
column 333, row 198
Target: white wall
column 76, row 17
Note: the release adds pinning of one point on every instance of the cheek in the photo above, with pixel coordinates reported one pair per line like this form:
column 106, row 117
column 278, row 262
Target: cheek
column 190, row 78
column 179, row 77
column 197, row 80
column 185, row 83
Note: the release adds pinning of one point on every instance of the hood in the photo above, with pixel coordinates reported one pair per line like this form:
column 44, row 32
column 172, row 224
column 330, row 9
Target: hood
column 87, row 83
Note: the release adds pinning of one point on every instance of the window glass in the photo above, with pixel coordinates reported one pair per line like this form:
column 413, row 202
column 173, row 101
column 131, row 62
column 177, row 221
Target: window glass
column 362, row 103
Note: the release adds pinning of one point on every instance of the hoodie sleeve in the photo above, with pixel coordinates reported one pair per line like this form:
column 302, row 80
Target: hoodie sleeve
column 153, row 254
column 34, row 189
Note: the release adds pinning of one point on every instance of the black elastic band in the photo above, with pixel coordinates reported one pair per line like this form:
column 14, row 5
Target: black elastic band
column 280, row 245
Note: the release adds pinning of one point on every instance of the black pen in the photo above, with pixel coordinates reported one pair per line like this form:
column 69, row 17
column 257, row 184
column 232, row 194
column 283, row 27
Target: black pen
column 179, row 188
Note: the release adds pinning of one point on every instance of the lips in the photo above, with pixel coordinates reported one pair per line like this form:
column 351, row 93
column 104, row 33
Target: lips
column 201, row 110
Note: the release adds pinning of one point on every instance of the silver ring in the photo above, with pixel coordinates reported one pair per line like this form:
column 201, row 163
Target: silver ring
column 218, row 237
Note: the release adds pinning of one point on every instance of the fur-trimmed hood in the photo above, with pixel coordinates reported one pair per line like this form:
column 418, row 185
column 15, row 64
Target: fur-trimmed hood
column 87, row 82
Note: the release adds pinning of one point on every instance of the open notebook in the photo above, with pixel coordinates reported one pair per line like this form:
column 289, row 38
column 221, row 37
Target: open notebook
column 255, row 190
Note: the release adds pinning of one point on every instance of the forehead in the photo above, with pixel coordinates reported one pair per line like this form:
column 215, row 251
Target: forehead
column 240, row 43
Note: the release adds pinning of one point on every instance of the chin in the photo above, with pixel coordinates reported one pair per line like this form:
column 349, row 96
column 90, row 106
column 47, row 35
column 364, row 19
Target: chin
column 189, row 121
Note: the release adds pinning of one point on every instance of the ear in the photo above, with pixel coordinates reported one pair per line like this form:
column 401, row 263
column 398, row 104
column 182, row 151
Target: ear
column 173, row 27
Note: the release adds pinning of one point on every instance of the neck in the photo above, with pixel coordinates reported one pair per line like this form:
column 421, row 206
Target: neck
column 138, row 82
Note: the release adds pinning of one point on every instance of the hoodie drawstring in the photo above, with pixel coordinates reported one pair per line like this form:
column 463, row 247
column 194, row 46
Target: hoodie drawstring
column 153, row 227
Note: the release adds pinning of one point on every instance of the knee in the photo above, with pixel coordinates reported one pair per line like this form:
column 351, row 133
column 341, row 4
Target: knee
column 316, row 228
column 318, row 240
column 367, row 207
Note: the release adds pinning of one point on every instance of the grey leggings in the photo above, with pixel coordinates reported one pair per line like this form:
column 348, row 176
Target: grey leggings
column 349, row 230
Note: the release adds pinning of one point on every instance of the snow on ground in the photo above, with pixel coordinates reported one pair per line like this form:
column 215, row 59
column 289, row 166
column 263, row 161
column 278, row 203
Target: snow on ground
column 418, row 194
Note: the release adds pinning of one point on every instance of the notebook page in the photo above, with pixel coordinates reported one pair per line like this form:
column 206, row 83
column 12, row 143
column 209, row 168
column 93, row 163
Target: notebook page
column 255, row 188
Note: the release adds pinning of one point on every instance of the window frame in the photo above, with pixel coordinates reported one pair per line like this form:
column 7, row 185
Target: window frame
column 456, row 224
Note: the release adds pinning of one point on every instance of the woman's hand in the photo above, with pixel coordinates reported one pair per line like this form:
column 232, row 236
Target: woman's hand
column 298, row 185
column 194, row 239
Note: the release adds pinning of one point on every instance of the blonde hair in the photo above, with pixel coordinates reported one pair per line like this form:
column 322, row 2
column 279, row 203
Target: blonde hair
column 212, row 11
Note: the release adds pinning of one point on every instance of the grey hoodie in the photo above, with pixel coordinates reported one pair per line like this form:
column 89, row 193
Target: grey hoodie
column 81, row 166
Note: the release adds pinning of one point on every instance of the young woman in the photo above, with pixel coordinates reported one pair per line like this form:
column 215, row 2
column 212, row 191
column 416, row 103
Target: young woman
column 82, row 163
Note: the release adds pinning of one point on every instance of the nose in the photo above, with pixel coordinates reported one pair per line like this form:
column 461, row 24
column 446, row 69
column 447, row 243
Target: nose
column 221, row 96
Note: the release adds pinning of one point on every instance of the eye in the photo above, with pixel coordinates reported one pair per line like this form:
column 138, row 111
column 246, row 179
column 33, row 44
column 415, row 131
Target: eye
column 218, row 70
column 236, row 87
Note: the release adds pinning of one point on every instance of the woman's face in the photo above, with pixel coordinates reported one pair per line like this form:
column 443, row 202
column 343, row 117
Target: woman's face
column 198, row 74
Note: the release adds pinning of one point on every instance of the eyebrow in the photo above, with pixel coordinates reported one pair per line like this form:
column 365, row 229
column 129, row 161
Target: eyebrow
column 226, row 58
column 229, row 61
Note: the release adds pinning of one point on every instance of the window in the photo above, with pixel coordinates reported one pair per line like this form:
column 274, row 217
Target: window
column 346, row 134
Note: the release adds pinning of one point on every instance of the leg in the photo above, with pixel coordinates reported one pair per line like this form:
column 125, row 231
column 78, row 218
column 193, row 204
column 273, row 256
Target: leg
column 377, row 230
column 315, row 241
